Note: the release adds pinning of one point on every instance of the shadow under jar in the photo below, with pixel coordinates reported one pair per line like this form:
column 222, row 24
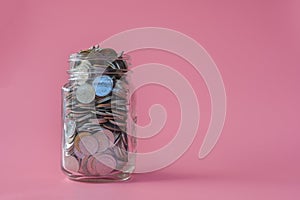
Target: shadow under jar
column 98, row 117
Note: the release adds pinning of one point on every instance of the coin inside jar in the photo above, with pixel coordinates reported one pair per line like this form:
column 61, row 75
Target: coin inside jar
column 71, row 163
column 109, row 54
column 70, row 127
column 120, row 64
column 103, row 141
column 78, row 138
column 85, row 93
column 103, row 85
column 104, row 163
column 88, row 145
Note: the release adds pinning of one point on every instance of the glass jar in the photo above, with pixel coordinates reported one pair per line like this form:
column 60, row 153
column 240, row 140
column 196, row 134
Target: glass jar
column 98, row 116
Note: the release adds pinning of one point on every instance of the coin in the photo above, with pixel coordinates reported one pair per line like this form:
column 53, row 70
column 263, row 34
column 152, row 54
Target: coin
column 82, row 76
column 120, row 153
column 119, row 93
column 118, row 112
column 85, row 93
column 101, row 113
column 84, row 118
column 117, row 102
column 103, row 141
column 78, row 138
column 119, row 117
column 70, row 127
column 119, row 107
column 110, row 136
column 111, row 127
column 102, row 100
column 97, row 128
column 80, row 72
column 120, row 64
column 102, row 120
column 85, row 106
column 84, row 63
column 83, row 165
column 69, row 147
column 103, row 85
column 89, row 165
column 103, row 105
column 78, row 153
column 118, row 123
column 109, row 54
column 104, row 163
column 88, row 145
column 121, row 84
column 71, row 163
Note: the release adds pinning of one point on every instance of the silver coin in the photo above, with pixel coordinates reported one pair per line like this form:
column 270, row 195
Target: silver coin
column 97, row 128
column 109, row 53
column 118, row 123
column 104, row 163
column 86, row 63
column 85, row 93
column 119, row 117
column 119, row 93
column 84, row 127
column 119, row 107
column 70, row 163
column 103, row 141
column 81, row 74
column 70, row 127
column 84, row 117
column 117, row 102
column 83, row 63
column 88, row 145
column 69, row 147
column 79, row 111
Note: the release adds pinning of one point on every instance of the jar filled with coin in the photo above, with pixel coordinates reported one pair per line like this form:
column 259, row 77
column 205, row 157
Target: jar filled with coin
column 98, row 140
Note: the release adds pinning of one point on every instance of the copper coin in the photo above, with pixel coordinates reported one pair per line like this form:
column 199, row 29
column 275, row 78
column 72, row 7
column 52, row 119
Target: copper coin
column 83, row 165
column 111, row 127
column 102, row 100
column 78, row 138
column 103, row 105
column 89, row 166
column 118, row 123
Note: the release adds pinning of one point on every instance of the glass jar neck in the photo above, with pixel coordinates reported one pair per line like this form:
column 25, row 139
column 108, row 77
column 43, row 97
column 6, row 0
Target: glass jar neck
column 93, row 62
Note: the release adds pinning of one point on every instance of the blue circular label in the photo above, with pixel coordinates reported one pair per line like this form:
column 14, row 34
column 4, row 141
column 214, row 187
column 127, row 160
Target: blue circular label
column 103, row 85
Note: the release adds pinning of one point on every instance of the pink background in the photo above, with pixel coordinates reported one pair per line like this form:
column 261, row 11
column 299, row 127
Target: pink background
column 256, row 47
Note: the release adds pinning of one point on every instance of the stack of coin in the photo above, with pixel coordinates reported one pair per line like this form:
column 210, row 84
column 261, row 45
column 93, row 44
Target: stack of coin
column 95, row 113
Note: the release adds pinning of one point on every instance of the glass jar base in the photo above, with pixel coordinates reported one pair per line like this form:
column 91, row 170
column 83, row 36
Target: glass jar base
column 101, row 179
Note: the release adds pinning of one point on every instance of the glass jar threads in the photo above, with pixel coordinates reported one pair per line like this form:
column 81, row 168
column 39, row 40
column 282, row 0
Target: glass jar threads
column 98, row 117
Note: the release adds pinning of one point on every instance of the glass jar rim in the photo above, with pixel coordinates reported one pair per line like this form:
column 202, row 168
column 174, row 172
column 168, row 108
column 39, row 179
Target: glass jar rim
column 79, row 57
